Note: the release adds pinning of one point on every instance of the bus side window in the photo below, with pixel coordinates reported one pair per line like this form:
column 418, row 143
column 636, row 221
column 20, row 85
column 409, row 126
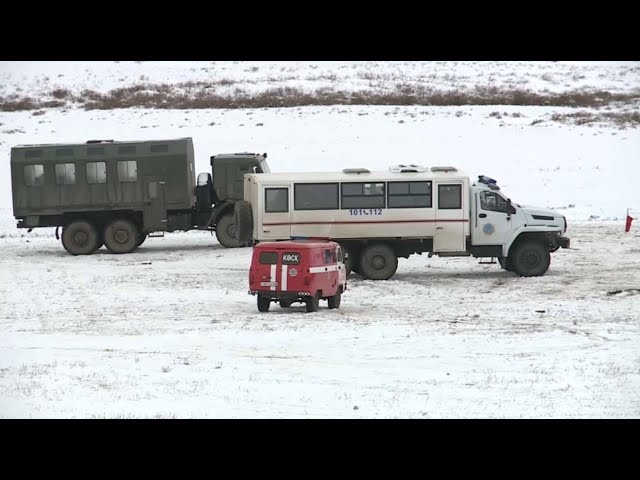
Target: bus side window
column 329, row 257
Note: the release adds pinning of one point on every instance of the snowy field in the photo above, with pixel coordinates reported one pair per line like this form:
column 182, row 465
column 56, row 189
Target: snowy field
column 39, row 78
column 170, row 331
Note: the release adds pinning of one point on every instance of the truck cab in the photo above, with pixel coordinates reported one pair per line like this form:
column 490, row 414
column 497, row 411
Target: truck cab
column 304, row 270
column 521, row 237
column 216, row 192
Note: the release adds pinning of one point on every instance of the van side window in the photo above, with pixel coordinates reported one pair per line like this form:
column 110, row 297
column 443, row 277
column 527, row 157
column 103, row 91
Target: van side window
column 329, row 256
column 34, row 175
column 268, row 258
column 276, row 200
column 492, row 202
column 449, row 197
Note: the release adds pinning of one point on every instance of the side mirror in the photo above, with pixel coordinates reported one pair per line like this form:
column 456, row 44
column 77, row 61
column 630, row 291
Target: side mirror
column 510, row 208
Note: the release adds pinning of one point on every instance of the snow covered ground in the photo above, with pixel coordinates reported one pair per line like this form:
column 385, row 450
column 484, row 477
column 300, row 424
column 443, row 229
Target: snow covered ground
column 169, row 331
column 38, row 78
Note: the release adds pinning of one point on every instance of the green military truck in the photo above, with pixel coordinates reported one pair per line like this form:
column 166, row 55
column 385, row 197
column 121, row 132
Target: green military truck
column 115, row 194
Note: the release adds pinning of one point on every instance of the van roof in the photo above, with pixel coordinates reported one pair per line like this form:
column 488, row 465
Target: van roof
column 297, row 244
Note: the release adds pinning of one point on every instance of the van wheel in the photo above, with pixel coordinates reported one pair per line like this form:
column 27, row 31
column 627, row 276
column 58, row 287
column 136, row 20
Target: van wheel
column 285, row 303
column 80, row 238
column 263, row 303
column 313, row 303
column 530, row 259
column 121, row 236
column 243, row 220
column 506, row 263
column 226, row 232
column 378, row 262
column 334, row 302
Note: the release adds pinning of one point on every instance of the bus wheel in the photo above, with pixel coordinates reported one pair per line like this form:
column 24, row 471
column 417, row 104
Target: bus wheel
column 378, row 262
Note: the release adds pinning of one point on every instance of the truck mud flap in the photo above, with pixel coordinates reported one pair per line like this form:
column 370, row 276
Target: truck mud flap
column 57, row 234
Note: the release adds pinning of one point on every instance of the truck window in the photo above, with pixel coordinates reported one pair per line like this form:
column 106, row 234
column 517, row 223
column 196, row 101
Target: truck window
column 159, row 148
column 127, row 150
column 449, row 197
column 34, row 175
column 263, row 167
column 276, row 200
column 92, row 152
column 268, row 258
column 64, row 152
column 340, row 257
column 127, row 170
column 96, row 172
column 409, row 195
column 65, row 173
column 362, row 195
column 492, row 202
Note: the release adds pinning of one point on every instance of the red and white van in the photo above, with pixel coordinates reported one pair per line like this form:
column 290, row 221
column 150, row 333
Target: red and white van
column 297, row 271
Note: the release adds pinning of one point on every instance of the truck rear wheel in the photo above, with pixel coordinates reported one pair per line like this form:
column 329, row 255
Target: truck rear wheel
column 80, row 238
column 121, row 236
column 530, row 259
column 263, row 303
column 334, row 302
column 243, row 220
column 226, row 232
column 378, row 262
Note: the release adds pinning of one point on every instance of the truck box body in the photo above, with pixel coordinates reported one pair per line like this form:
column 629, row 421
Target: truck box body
column 57, row 178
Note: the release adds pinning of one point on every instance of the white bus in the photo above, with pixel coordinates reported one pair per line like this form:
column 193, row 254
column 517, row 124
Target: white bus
column 380, row 216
